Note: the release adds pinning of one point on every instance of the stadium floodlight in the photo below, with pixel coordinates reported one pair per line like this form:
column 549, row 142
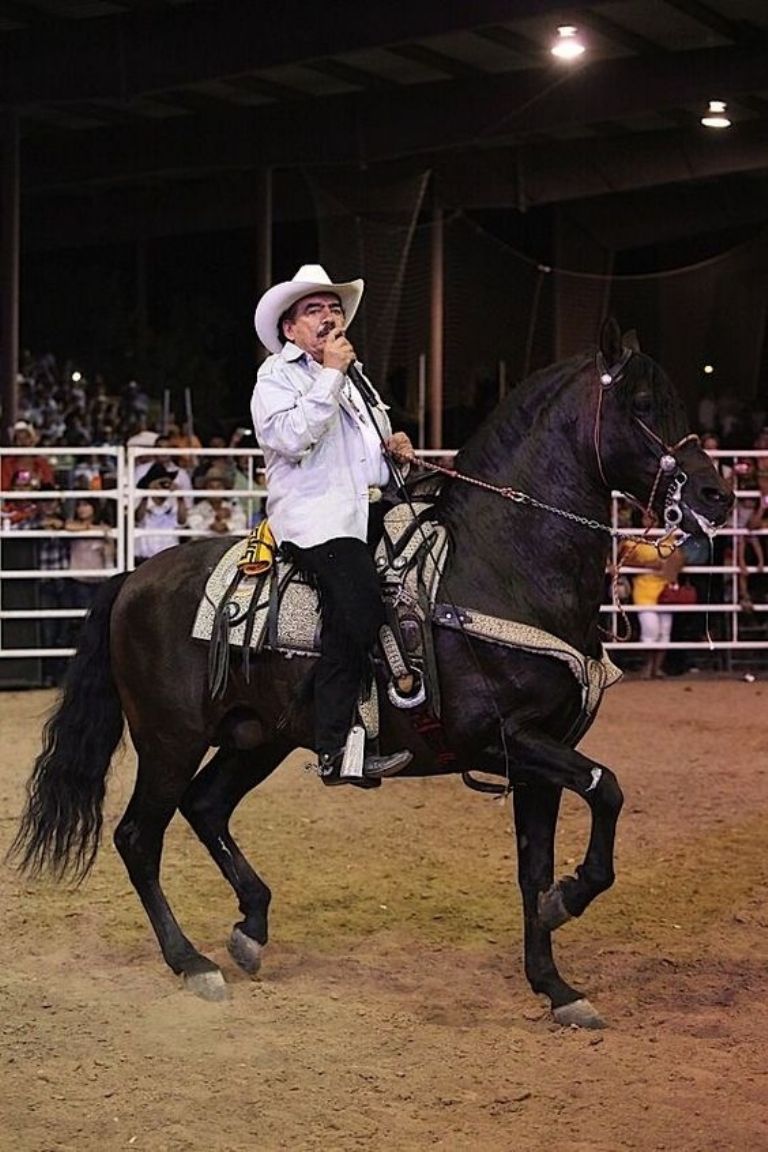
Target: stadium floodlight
column 567, row 46
column 715, row 117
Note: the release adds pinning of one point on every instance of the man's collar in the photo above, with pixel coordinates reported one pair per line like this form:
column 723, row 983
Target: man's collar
column 291, row 351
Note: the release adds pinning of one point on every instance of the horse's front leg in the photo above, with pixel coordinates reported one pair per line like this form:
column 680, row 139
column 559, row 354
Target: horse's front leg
column 543, row 760
column 536, row 808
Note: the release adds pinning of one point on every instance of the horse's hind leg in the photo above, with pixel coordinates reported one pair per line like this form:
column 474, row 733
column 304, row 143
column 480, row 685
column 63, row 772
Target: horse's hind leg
column 536, row 808
column 160, row 784
column 208, row 804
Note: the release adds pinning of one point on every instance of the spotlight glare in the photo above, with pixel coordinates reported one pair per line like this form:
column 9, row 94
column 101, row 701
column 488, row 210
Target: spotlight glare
column 715, row 117
column 76, row 377
column 708, row 369
column 567, row 46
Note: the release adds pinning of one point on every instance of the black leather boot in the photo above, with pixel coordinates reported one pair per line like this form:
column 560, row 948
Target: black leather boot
column 329, row 769
column 378, row 767
column 375, row 768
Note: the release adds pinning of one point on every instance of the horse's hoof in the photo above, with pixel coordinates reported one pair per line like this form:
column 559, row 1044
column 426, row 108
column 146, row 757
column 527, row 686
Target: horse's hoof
column 578, row 1014
column 552, row 910
column 207, row 985
column 245, row 951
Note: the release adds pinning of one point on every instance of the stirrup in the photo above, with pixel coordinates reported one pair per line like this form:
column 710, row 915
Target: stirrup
column 345, row 766
column 413, row 699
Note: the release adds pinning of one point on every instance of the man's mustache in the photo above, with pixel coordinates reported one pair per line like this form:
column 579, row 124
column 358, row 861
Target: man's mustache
column 325, row 328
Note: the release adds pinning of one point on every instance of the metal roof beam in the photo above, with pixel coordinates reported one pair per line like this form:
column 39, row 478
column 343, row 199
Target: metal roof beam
column 739, row 31
column 147, row 51
column 468, row 116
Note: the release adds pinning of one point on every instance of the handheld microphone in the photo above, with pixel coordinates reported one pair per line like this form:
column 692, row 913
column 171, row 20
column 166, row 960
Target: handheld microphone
column 362, row 385
column 354, row 373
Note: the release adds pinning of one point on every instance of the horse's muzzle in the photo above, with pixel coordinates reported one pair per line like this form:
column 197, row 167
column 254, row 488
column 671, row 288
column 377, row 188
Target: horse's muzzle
column 705, row 503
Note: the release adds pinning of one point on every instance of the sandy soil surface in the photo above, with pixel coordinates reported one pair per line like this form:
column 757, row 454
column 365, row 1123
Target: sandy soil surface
column 392, row 1011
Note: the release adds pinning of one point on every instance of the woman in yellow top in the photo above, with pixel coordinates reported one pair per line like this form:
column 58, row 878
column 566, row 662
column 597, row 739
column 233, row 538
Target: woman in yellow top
column 655, row 625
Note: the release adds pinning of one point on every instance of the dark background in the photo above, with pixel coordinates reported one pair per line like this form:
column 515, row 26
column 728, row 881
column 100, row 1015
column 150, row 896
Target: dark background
column 147, row 126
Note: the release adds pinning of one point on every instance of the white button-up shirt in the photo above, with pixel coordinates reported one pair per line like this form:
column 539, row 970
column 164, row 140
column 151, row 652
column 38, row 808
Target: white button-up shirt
column 321, row 449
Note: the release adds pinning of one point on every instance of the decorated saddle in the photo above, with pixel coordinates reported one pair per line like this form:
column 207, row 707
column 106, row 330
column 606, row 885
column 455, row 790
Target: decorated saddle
column 256, row 599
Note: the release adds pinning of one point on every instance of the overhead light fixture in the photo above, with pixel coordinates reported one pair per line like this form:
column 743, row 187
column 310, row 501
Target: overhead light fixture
column 708, row 369
column 716, row 117
column 567, row 46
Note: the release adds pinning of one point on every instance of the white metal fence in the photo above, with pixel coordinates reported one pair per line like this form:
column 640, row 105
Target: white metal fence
column 733, row 631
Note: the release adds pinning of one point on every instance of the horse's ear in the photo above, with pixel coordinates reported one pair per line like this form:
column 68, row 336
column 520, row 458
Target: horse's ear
column 610, row 341
column 630, row 340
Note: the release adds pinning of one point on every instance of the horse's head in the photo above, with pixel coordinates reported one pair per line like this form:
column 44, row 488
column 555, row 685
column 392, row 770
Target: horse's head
column 643, row 443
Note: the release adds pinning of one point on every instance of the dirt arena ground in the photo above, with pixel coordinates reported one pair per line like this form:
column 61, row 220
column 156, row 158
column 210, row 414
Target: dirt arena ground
column 392, row 1011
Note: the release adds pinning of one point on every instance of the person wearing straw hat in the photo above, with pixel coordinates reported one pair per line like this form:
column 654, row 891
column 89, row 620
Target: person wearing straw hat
column 327, row 444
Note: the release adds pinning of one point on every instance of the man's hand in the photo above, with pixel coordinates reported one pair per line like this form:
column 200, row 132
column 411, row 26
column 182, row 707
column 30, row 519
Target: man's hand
column 400, row 448
column 338, row 352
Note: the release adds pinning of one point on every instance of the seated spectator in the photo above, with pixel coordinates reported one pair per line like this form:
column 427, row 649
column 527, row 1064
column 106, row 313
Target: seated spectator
column 24, row 436
column 133, row 405
column 158, row 512
column 216, row 514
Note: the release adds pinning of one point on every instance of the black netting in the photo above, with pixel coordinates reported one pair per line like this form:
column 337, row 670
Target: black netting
column 504, row 315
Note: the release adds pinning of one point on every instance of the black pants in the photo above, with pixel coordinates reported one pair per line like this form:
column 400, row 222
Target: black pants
column 352, row 613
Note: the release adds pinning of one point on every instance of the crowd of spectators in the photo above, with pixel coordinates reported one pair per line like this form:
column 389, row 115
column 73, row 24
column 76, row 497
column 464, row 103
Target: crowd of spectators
column 71, row 539
column 58, row 407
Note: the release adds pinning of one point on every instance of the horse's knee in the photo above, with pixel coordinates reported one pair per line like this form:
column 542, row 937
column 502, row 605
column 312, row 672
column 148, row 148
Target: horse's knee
column 604, row 789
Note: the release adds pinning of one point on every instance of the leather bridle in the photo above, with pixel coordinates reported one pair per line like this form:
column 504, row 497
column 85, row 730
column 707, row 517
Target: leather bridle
column 669, row 466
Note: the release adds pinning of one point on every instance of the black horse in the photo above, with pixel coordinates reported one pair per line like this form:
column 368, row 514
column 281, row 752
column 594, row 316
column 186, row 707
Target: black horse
column 534, row 554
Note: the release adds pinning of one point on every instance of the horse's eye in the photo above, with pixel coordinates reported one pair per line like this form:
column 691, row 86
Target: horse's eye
column 642, row 401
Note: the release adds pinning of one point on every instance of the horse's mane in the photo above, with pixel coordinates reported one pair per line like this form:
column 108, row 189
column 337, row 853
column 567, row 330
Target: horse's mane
column 527, row 407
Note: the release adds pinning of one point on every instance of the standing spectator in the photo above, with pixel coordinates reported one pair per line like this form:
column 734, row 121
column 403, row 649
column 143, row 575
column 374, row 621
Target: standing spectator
column 180, row 476
column 24, row 436
column 55, row 592
column 21, row 513
column 655, row 625
column 88, row 552
column 184, row 437
column 158, row 512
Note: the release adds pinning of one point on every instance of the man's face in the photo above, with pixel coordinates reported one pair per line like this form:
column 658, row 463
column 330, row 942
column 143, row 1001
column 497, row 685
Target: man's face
column 312, row 315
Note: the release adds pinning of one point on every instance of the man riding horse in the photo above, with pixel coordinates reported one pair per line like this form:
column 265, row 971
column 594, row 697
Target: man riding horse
column 327, row 444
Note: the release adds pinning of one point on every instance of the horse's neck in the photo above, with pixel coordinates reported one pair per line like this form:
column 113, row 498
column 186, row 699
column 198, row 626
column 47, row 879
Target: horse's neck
column 525, row 563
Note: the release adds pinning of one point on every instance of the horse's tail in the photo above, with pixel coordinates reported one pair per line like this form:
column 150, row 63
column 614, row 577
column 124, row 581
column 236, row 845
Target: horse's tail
column 61, row 824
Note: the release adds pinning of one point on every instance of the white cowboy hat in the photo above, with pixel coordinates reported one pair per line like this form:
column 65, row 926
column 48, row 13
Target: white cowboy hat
column 309, row 279
column 142, row 440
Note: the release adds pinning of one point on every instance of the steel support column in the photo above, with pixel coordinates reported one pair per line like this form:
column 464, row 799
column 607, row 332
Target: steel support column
column 436, row 331
column 9, row 263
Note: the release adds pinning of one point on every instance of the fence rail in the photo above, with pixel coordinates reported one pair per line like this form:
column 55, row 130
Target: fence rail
column 727, row 625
